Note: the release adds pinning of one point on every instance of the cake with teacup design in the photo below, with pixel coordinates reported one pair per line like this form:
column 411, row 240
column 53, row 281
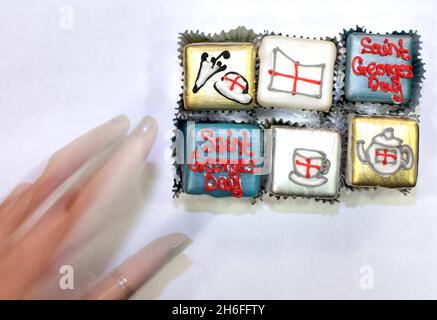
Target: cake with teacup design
column 305, row 162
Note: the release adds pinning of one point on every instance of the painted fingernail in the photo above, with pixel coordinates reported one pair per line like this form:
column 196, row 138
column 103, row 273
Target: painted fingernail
column 147, row 125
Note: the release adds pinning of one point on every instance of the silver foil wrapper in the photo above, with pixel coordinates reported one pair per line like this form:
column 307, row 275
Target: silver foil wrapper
column 336, row 118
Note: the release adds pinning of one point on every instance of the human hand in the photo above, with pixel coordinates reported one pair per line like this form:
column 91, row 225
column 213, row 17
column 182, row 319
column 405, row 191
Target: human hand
column 38, row 221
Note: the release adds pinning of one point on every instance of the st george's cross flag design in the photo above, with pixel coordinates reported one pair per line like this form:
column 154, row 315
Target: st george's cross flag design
column 295, row 77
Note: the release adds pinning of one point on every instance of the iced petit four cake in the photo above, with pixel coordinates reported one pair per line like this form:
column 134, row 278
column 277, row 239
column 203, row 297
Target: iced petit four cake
column 219, row 76
column 379, row 68
column 305, row 162
column 382, row 151
column 222, row 159
column 296, row 73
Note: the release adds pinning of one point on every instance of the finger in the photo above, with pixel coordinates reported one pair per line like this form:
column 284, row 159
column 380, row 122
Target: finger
column 128, row 277
column 62, row 165
column 67, row 160
column 86, row 254
column 40, row 244
column 103, row 190
column 27, row 260
column 24, row 258
column 128, row 160
column 16, row 213
column 8, row 203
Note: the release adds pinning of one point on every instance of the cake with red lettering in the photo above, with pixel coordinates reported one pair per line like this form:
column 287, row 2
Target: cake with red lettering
column 222, row 159
column 379, row 68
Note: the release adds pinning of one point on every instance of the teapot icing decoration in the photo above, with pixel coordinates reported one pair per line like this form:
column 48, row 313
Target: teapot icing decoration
column 386, row 154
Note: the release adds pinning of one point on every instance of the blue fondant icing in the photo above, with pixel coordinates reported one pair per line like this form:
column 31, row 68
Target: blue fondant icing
column 193, row 182
column 357, row 86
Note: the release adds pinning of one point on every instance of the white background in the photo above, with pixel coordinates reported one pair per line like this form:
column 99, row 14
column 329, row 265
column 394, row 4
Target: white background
column 120, row 58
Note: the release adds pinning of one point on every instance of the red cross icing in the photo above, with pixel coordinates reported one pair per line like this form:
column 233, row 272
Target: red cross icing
column 386, row 155
column 308, row 166
column 235, row 82
column 295, row 77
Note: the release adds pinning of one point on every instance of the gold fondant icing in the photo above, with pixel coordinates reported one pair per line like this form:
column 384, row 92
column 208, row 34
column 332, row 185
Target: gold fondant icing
column 242, row 60
column 362, row 173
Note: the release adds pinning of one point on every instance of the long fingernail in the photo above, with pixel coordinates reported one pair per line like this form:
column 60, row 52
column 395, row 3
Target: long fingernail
column 119, row 118
column 140, row 267
column 178, row 247
column 146, row 131
column 147, row 125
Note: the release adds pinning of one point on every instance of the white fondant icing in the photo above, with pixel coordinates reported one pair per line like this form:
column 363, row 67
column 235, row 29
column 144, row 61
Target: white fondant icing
column 315, row 59
column 240, row 97
column 304, row 162
column 207, row 68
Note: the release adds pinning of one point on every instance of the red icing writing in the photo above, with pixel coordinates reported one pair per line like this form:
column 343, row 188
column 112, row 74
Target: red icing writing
column 230, row 144
column 375, row 70
column 231, row 169
column 386, row 49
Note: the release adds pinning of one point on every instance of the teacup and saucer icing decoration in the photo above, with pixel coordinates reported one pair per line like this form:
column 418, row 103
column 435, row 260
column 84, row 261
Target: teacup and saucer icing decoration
column 382, row 151
column 219, row 76
column 296, row 73
column 379, row 68
column 309, row 167
column 305, row 162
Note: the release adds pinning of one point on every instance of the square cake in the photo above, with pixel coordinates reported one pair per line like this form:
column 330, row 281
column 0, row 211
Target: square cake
column 296, row 73
column 222, row 159
column 382, row 151
column 219, row 76
column 305, row 162
column 379, row 68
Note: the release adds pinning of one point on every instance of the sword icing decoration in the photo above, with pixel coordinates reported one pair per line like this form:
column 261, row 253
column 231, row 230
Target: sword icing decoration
column 209, row 68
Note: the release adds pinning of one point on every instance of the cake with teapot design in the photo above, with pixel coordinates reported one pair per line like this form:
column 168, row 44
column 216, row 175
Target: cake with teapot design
column 382, row 151
column 386, row 154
